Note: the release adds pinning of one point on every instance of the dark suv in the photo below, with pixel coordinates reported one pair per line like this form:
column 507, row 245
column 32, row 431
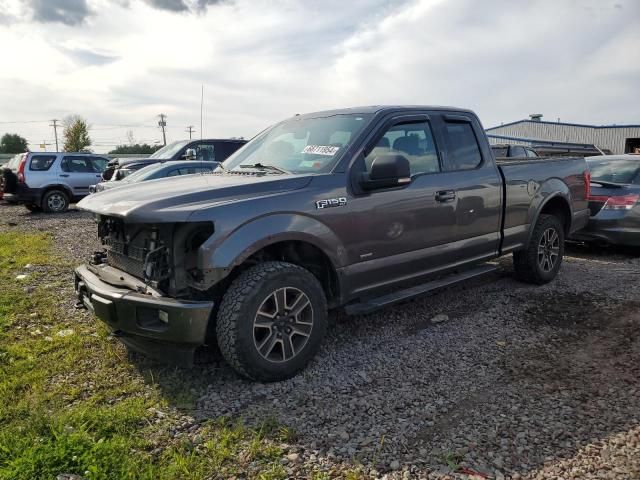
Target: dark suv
column 206, row 150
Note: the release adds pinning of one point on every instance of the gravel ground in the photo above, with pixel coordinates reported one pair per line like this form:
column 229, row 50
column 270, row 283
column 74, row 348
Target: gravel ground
column 493, row 378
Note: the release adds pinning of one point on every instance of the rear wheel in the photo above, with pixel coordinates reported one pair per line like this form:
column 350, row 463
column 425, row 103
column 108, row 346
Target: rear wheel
column 55, row 201
column 271, row 321
column 540, row 262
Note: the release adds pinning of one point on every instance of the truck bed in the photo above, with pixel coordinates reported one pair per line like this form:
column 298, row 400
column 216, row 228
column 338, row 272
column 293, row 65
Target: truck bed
column 526, row 179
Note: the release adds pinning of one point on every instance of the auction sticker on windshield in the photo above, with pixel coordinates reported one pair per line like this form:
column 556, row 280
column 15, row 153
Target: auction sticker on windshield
column 328, row 150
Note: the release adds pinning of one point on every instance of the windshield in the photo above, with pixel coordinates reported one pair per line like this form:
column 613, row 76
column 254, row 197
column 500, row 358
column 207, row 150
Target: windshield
column 616, row 171
column 15, row 161
column 143, row 173
column 170, row 150
column 304, row 145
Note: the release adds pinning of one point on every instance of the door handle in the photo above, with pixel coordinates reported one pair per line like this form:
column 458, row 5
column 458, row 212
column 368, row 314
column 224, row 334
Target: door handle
column 64, row 174
column 445, row 195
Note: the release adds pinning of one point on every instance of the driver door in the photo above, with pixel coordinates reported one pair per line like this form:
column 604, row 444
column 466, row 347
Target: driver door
column 400, row 232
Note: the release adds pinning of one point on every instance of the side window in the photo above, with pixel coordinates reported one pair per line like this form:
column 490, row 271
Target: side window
column 99, row 164
column 517, row 152
column 187, row 171
column 414, row 141
column 77, row 165
column 40, row 163
column 463, row 152
column 531, row 153
column 205, row 152
column 174, row 173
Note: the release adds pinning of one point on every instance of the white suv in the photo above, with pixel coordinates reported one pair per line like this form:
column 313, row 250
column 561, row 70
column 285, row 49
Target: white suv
column 51, row 181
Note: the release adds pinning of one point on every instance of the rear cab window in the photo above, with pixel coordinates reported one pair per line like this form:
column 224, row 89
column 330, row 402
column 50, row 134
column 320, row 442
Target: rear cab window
column 463, row 150
column 41, row 163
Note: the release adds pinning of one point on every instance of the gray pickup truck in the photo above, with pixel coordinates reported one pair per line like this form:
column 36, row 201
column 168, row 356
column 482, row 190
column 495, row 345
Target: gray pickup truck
column 356, row 208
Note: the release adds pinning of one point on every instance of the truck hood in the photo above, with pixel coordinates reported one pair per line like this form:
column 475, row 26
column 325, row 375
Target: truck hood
column 175, row 199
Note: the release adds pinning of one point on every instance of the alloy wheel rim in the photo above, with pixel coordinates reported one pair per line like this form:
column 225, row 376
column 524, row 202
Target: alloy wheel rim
column 283, row 324
column 548, row 249
column 55, row 202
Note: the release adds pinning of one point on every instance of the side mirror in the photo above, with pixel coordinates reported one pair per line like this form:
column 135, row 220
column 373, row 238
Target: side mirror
column 190, row 154
column 388, row 170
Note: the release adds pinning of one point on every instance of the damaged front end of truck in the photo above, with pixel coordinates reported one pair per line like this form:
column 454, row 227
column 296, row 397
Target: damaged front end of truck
column 145, row 284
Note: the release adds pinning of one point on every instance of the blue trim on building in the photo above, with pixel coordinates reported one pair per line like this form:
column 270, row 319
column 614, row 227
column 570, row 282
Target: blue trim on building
column 562, row 123
column 533, row 141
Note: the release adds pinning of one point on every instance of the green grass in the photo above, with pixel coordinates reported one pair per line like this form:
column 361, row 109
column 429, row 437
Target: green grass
column 74, row 404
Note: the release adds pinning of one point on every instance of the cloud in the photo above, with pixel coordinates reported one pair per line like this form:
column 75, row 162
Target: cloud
column 69, row 12
column 87, row 57
column 571, row 61
column 170, row 5
column 184, row 5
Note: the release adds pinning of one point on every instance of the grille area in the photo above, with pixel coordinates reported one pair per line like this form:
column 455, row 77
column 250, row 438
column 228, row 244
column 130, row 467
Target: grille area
column 126, row 264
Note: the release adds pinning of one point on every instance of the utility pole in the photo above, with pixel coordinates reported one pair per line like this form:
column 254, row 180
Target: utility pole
column 162, row 124
column 55, row 130
column 190, row 130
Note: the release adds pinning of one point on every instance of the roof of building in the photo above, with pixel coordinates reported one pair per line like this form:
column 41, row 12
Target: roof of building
column 537, row 122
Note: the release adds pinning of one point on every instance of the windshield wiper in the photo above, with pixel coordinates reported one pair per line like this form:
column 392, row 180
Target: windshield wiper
column 262, row 166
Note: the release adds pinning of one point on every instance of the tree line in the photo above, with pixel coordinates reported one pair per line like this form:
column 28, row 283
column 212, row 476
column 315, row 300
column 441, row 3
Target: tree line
column 76, row 139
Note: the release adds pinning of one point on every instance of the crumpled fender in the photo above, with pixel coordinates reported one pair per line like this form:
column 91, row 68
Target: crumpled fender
column 234, row 248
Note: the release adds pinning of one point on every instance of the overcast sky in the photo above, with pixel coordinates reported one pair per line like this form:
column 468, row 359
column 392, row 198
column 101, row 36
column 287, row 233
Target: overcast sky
column 120, row 63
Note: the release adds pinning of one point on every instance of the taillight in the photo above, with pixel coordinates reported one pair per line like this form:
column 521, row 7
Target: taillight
column 23, row 162
column 587, row 184
column 622, row 202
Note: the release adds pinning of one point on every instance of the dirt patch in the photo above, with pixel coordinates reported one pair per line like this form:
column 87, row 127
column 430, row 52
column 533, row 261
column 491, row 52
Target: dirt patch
column 573, row 310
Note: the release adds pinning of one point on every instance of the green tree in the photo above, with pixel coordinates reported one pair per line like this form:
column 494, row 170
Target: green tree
column 76, row 134
column 137, row 148
column 13, row 143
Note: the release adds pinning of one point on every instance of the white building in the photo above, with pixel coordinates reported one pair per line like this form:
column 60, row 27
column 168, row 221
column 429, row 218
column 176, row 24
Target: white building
column 535, row 131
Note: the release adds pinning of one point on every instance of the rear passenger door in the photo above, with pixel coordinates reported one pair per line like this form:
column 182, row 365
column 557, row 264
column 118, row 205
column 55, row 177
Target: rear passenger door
column 472, row 184
column 78, row 172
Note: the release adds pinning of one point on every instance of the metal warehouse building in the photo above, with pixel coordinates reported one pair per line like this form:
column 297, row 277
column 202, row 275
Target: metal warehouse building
column 534, row 131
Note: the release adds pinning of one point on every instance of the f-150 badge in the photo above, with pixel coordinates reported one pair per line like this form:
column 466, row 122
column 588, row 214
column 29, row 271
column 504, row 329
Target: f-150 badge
column 331, row 202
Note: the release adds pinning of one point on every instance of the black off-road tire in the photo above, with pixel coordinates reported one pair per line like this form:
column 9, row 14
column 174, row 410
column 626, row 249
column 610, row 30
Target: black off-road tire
column 240, row 305
column 527, row 263
column 60, row 205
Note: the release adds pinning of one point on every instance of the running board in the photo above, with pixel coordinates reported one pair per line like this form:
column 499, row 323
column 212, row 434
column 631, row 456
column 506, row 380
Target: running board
column 376, row 303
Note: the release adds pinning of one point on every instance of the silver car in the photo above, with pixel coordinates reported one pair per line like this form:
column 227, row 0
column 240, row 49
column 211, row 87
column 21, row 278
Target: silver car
column 51, row 181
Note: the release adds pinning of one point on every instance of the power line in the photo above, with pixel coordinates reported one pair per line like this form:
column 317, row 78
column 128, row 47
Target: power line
column 162, row 124
column 26, row 121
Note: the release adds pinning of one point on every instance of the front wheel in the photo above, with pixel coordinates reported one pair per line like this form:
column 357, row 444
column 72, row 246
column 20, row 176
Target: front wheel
column 540, row 261
column 271, row 321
